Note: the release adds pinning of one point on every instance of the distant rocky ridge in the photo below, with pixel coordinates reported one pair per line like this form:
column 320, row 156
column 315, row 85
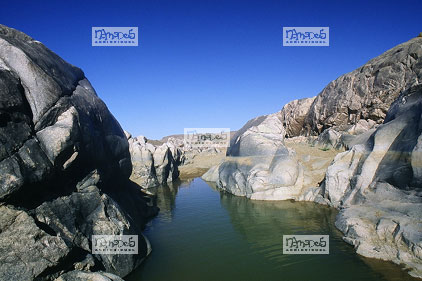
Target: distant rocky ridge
column 374, row 113
column 157, row 162
column 64, row 168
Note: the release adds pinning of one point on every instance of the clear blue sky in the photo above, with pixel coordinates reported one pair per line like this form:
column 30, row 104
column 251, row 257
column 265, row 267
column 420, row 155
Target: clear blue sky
column 214, row 63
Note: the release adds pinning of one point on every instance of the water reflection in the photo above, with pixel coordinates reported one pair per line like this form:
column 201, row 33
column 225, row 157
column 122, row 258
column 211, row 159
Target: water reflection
column 263, row 223
column 165, row 197
column 203, row 234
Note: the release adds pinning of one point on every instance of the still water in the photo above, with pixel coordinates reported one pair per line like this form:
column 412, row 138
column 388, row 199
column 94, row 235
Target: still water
column 204, row 234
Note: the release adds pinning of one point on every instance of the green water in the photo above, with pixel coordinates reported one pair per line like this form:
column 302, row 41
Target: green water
column 204, row 234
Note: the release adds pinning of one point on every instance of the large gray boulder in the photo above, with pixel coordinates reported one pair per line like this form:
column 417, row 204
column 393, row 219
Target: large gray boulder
column 378, row 187
column 51, row 114
column 259, row 136
column 64, row 168
column 259, row 166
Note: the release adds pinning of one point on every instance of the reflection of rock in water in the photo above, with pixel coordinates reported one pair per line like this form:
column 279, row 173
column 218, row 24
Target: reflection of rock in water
column 388, row 270
column 165, row 196
column 263, row 223
column 213, row 185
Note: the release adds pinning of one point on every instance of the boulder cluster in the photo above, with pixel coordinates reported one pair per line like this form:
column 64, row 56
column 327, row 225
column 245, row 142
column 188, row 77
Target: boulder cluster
column 374, row 113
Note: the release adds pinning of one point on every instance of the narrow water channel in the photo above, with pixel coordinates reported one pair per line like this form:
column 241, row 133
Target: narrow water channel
column 204, row 234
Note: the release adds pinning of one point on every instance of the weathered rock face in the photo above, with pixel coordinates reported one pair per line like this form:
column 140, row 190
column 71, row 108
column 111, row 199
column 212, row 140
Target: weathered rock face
column 267, row 131
column 357, row 101
column 378, row 184
column 64, row 168
column 293, row 116
column 367, row 92
column 260, row 166
column 390, row 155
column 345, row 137
column 158, row 162
column 344, row 114
column 152, row 164
column 78, row 275
column 189, row 152
column 375, row 111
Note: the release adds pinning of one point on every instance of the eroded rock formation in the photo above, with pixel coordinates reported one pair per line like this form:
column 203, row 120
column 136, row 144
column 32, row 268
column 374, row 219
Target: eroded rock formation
column 259, row 166
column 375, row 113
column 154, row 164
column 64, row 168
column 378, row 187
column 367, row 92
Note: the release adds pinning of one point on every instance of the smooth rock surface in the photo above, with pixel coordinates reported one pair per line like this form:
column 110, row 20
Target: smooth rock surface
column 259, row 166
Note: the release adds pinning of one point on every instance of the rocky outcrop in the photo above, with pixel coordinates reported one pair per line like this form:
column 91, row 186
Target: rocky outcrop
column 293, row 115
column 390, row 155
column 64, row 168
column 367, row 92
column 161, row 162
column 154, row 164
column 78, row 275
column 189, row 152
column 375, row 112
column 345, row 137
column 344, row 114
column 378, row 187
column 259, row 166
column 267, row 131
column 357, row 101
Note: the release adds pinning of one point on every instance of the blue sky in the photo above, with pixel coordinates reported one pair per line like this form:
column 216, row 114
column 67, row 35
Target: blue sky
column 214, row 63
